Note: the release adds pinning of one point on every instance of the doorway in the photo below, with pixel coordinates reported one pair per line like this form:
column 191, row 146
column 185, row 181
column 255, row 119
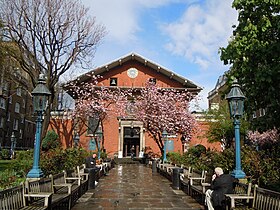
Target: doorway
column 131, row 138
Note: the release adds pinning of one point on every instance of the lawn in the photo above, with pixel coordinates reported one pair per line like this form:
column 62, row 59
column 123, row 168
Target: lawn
column 5, row 164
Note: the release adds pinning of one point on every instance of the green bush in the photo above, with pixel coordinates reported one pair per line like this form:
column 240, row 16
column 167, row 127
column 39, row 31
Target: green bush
column 9, row 178
column 23, row 162
column 56, row 160
column 5, row 154
column 51, row 141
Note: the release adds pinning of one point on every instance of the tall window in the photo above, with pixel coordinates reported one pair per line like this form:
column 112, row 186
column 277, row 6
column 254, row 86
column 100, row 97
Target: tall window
column 17, row 107
column 92, row 124
column 15, row 127
column 19, row 91
column 2, row 103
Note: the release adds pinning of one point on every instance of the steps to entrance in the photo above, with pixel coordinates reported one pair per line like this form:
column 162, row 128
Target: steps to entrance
column 127, row 160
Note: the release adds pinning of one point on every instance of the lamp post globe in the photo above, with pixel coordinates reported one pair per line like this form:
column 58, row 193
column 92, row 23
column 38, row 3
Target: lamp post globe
column 236, row 107
column 99, row 135
column 40, row 96
column 164, row 137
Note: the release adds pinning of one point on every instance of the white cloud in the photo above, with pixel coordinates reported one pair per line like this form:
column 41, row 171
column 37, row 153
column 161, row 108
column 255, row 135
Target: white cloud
column 122, row 17
column 201, row 30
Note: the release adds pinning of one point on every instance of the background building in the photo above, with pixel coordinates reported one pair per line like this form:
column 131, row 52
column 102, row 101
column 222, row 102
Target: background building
column 16, row 109
column 120, row 134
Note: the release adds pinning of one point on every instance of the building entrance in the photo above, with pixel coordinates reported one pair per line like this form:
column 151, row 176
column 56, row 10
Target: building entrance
column 131, row 141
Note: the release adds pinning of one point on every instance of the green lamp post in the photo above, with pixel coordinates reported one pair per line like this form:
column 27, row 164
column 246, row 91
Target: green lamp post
column 236, row 107
column 40, row 98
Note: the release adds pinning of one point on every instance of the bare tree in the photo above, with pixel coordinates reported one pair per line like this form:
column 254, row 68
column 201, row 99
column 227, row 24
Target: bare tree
column 52, row 36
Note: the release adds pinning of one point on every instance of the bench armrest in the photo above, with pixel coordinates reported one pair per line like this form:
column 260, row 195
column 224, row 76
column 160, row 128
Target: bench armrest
column 195, row 178
column 47, row 196
column 234, row 197
column 82, row 174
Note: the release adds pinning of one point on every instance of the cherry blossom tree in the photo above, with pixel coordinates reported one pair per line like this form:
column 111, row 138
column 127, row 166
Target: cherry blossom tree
column 164, row 109
column 268, row 137
column 98, row 102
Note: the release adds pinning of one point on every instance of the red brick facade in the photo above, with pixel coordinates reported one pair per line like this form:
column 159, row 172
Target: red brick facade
column 116, row 141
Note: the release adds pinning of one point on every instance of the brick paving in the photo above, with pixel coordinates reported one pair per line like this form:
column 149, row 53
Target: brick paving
column 134, row 187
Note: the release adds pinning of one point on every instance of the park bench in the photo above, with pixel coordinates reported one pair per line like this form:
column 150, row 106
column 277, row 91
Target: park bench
column 60, row 186
column 79, row 181
column 256, row 198
column 14, row 198
column 242, row 193
column 41, row 193
column 198, row 184
column 266, row 199
column 194, row 182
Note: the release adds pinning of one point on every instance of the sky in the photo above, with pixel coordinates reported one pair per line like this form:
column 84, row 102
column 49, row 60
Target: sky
column 183, row 36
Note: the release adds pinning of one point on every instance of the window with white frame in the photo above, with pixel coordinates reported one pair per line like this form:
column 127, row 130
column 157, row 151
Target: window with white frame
column 2, row 103
column 19, row 91
column 15, row 126
column 17, row 107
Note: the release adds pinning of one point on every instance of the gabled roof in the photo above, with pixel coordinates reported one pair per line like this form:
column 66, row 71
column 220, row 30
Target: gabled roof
column 133, row 56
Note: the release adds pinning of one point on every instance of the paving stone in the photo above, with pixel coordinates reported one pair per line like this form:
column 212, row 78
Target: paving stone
column 135, row 187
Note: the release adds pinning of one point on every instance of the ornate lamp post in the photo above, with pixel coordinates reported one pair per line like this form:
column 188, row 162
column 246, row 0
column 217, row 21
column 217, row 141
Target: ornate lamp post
column 13, row 145
column 40, row 97
column 13, row 141
column 76, row 139
column 99, row 136
column 165, row 138
column 236, row 107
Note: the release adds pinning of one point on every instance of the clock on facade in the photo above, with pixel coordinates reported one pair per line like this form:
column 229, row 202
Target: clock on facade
column 132, row 72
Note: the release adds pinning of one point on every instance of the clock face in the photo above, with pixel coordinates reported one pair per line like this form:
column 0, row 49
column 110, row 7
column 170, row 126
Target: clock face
column 132, row 72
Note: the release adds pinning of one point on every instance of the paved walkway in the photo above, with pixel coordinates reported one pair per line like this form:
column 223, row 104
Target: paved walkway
column 134, row 187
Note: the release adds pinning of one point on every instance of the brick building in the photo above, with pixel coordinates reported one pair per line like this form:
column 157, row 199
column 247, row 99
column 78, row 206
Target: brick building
column 16, row 109
column 120, row 134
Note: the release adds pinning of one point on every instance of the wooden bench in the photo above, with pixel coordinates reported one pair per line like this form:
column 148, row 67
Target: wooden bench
column 266, row 199
column 242, row 193
column 198, row 185
column 74, row 177
column 60, row 186
column 13, row 198
column 81, row 172
column 44, row 188
column 256, row 198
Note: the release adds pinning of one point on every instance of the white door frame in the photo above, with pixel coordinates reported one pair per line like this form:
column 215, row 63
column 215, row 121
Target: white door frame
column 130, row 123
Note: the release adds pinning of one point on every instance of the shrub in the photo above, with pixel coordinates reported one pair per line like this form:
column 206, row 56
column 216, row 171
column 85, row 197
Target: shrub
column 9, row 178
column 5, row 154
column 51, row 141
column 23, row 162
column 56, row 160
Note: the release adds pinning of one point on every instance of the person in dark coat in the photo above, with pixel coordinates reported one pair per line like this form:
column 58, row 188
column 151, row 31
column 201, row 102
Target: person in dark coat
column 221, row 184
column 91, row 161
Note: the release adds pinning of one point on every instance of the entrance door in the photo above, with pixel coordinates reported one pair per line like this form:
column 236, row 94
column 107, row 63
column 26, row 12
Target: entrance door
column 131, row 138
